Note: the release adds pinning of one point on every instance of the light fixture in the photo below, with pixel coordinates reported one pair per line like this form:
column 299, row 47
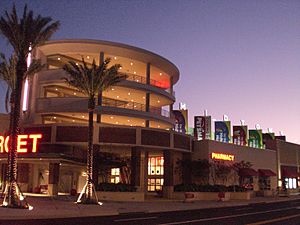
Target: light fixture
column 134, row 72
column 128, row 93
column 54, row 117
column 131, row 125
column 160, row 74
column 144, row 97
column 58, row 58
column 111, row 117
column 128, row 120
column 120, row 67
column 73, row 121
column 117, row 96
column 143, row 123
column 77, row 64
column 131, row 100
column 74, row 93
column 135, row 106
column 131, row 64
column 137, row 80
column 112, row 89
column 88, row 57
column 117, row 122
column 115, row 58
column 56, row 89
column 82, row 116
column 158, row 126
column 158, row 101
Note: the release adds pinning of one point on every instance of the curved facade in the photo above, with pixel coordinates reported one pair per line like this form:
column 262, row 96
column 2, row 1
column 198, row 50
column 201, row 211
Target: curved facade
column 144, row 99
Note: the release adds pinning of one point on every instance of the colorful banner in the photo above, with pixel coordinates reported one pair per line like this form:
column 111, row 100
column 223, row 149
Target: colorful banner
column 222, row 131
column 240, row 134
column 255, row 139
column 181, row 120
column 202, row 127
column 268, row 136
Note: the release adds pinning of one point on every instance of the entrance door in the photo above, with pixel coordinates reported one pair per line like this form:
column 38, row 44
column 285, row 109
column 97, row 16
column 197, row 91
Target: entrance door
column 155, row 173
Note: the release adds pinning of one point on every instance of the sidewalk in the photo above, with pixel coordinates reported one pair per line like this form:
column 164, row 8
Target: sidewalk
column 64, row 206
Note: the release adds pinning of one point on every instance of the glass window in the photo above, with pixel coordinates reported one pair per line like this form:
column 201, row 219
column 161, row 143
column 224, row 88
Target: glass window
column 115, row 175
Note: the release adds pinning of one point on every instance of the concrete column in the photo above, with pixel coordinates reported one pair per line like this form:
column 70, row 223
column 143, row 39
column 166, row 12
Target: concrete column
column 99, row 100
column 53, row 178
column 135, row 167
column 147, row 124
column 168, row 173
column 148, row 74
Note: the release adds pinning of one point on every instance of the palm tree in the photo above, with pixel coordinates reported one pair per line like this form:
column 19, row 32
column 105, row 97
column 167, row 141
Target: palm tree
column 8, row 75
column 23, row 34
column 90, row 79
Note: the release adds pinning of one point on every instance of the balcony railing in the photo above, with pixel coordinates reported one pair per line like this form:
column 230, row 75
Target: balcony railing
column 134, row 106
column 53, row 61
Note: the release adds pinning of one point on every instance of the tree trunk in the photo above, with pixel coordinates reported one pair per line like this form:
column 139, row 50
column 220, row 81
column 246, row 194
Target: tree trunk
column 90, row 155
column 15, row 129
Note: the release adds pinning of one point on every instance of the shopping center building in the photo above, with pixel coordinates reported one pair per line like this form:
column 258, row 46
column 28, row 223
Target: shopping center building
column 134, row 139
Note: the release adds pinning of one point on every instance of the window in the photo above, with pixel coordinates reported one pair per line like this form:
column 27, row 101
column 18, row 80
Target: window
column 264, row 183
column 115, row 175
column 291, row 183
column 155, row 173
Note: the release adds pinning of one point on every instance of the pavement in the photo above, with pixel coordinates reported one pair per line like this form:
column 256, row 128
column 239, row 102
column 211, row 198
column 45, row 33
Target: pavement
column 64, row 206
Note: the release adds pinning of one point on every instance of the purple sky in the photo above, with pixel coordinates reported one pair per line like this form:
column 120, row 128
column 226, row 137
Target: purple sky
column 241, row 58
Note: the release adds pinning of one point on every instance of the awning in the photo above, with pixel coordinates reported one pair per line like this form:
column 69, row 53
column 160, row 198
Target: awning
column 247, row 172
column 266, row 173
column 287, row 172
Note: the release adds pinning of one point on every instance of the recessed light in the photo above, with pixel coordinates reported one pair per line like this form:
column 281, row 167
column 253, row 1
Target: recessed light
column 77, row 64
column 160, row 74
column 117, row 96
column 58, row 58
column 128, row 93
column 87, row 57
column 134, row 72
column 56, row 89
column 111, row 117
column 158, row 101
column 74, row 93
column 82, row 116
column 131, row 64
column 128, row 120
column 73, row 121
column 120, row 67
column 135, row 106
column 137, row 80
column 131, row 125
column 112, row 89
column 115, row 58
column 54, row 117
column 117, row 122
column 143, row 123
column 158, row 126
column 131, row 100
column 144, row 97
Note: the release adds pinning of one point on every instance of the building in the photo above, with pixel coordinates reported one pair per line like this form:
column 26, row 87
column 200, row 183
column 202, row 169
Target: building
column 133, row 139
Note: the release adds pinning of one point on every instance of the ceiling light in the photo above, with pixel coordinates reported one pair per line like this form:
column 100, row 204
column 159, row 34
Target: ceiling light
column 160, row 74
column 87, row 57
column 112, row 89
column 115, row 58
column 134, row 72
column 131, row 100
column 111, row 117
column 135, row 106
column 143, row 123
column 128, row 93
column 117, row 96
column 54, row 117
column 158, row 126
column 58, row 58
column 158, row 101
column 131, row 125
column 120, row 67
column 82, row 116
column 77, row 64
column 74, row 93
column 131, row 64
column 137, row 80
column 117, row 122
column 56, row 89
column 128, row 120
column 73, row 121
column 144, row 97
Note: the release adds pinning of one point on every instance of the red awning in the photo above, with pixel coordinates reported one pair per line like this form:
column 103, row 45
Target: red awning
column 247, row 172
column 266, row 173
column 286, row 172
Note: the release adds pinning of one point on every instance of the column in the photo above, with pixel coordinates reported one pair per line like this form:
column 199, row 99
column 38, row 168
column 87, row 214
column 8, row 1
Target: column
column 148, row 82
column 53, row 178
column 99, row 100
column 168, row 173
column 135, row 167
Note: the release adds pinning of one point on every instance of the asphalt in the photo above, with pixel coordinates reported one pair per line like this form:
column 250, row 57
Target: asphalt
column 64, row 207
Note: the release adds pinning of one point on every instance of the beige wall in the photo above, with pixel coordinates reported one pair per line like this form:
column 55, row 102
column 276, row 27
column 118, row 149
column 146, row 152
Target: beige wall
column 289, row 153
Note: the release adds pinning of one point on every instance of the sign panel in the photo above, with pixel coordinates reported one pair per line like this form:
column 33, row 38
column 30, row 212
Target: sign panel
column 181, row 121
column 222, row 156
column 25, row 143
column 222, row 131
column 255, row 139
column 202, row 127
column 240, row 134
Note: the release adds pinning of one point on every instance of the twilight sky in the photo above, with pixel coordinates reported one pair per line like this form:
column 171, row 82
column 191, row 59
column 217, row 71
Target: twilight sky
column 239, row 58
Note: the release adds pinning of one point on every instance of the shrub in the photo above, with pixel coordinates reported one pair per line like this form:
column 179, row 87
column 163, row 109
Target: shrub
column 115, row 187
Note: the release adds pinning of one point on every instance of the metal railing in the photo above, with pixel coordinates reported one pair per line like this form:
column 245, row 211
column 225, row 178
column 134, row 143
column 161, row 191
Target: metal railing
column 134, row 106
